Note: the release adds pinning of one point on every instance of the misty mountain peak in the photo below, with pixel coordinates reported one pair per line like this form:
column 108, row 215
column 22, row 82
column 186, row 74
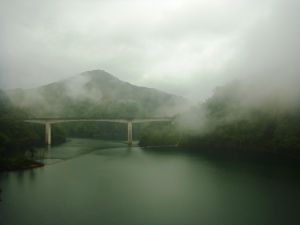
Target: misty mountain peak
column 98, row 74
column 96, row 93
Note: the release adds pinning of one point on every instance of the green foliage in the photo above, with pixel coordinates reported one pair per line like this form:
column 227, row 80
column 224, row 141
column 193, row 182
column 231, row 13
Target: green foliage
column 230, row 124
column 102, row 130
column 259, row 128
column 159, row 134
column 17, row 137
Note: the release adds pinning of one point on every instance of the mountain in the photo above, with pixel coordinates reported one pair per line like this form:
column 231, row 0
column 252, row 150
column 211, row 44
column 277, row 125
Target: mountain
column 95, row 94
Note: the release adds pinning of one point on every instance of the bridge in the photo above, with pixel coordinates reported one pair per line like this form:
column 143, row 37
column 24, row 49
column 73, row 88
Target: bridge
column 49, row 121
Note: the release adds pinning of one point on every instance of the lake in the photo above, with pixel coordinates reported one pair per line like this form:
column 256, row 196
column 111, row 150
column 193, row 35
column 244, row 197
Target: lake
column 91, row 182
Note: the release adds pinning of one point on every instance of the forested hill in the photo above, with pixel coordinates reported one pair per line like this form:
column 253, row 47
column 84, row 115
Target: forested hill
column 18, row 138
column 95, row 94
column 234, row 118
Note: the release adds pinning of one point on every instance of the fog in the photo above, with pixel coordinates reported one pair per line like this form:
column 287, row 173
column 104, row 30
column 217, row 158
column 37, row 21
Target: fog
column 185, row 47
column 76, row 88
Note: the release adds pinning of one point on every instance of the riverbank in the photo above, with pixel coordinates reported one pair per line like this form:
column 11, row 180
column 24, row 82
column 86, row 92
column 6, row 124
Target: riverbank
column 12, row 164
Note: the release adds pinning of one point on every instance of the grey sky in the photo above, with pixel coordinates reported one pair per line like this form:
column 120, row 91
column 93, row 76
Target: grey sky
column 185, row 47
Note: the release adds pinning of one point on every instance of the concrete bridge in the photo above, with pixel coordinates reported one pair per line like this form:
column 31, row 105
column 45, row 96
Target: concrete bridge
column 49, row 121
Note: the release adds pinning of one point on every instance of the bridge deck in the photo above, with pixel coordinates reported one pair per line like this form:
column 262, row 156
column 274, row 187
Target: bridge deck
column 121, row 120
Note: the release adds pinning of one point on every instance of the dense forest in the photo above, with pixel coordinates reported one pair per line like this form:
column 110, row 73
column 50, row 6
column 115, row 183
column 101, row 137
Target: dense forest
column 18, row 138
column 226, row 122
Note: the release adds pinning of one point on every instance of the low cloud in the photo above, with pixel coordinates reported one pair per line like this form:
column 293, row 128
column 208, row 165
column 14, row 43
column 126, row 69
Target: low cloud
column 186, row 47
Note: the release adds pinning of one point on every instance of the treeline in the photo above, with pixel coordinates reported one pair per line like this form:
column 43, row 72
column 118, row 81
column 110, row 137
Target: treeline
column 159, row 134
column 260, row 132
column 226, row 122
column 17, row 137
column 101, row 130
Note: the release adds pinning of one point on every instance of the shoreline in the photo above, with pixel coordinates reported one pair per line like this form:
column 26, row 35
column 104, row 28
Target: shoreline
column 7, row 165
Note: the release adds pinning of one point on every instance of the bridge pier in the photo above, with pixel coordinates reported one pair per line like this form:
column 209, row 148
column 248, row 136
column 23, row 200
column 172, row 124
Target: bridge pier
column 48, row 133
column 48, row 121
column 129, row 126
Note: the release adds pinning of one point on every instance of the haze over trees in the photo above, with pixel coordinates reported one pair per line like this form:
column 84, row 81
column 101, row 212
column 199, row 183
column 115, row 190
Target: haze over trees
column 236, row 117
column 18, row 140
column 95, row 94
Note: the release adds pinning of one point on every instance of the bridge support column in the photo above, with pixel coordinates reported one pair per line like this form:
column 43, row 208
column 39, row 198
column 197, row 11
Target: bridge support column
column 129, row 125
column 48, row 133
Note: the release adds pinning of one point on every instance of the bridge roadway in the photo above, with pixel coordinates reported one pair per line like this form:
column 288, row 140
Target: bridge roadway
column 48, row 121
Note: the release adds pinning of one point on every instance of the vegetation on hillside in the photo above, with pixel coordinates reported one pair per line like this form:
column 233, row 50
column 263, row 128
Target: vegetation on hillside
column 95, row 94
column 159, row 134
column 18, row 138
column 225, row 121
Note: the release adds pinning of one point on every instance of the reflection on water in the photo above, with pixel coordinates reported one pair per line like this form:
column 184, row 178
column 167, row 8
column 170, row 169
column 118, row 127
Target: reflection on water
column 96, row 182
column 72, row 149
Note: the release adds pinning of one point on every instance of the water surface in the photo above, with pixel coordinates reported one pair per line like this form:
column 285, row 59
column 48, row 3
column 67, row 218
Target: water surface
column 95, row 182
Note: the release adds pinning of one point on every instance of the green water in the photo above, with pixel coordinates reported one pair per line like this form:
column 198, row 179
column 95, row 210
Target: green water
column 91, row 182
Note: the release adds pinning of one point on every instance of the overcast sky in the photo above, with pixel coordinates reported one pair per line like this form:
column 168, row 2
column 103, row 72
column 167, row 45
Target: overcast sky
column 186, row 47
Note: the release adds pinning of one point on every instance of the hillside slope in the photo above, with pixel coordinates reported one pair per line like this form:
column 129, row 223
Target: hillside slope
column 95, row 94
